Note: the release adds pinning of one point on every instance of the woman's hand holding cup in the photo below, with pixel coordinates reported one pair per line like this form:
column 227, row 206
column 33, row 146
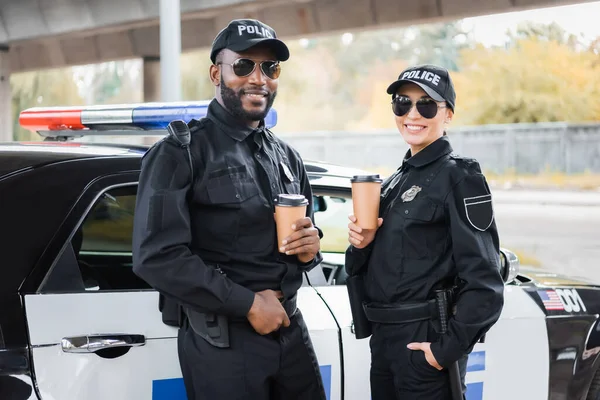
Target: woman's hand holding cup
column 359, row 237
column 364, row 221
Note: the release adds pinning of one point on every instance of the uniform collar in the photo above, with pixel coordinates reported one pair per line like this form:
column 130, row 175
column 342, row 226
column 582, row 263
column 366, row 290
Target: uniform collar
column 231, row 125
column 429, row 154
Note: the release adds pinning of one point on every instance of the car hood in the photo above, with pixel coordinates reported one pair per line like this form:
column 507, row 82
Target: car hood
column 541, row 277
column 536, row 276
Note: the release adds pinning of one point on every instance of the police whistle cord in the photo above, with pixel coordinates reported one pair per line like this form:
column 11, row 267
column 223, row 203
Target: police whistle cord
column 443, row 308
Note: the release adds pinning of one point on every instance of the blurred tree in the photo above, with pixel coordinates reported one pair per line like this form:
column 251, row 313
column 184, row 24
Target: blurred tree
column 374, row 99
column 338, row 82
column 551, row 32
column 38, row 89
column 440, row 44
column 195, row 82
column 113, row 82
column 534, row 80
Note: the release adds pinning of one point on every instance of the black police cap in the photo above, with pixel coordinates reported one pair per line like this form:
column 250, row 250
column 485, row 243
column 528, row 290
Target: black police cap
column 434, row 80
column 242, row 34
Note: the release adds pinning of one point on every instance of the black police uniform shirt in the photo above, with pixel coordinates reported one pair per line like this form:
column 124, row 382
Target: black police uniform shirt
column 212, row 244
column 438, row 223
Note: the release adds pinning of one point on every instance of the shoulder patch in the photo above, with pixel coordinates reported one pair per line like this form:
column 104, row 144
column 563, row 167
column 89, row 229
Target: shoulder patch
column 479, row 211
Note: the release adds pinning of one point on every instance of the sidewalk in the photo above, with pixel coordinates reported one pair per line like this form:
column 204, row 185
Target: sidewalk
column 543, row 197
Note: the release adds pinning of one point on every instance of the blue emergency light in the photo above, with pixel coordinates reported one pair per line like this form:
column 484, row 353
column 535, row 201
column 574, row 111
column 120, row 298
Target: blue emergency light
column 143, row 119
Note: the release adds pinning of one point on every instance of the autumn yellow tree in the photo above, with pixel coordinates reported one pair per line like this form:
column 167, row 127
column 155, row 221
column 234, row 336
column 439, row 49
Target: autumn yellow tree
column 534, row 80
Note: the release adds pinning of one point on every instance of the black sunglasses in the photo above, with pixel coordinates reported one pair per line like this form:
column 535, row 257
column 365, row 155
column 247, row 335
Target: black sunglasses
column 428, row 108
column 243, row 67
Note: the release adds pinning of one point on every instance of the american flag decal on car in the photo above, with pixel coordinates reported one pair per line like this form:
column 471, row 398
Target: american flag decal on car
column 551, row 300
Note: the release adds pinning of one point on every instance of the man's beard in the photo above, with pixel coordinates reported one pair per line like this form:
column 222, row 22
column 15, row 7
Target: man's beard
column 233, row 102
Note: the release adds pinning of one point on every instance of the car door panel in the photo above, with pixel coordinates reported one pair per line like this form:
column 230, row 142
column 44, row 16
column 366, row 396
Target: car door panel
column 67, row 375
column 148, row 371
column 325, row 339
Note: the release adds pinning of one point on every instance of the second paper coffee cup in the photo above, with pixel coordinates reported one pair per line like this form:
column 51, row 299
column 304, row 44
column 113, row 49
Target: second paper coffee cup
column 366, row 191
column 288, row 209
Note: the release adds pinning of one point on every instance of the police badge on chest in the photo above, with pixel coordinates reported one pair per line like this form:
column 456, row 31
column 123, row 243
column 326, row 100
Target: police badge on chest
column 410, row 194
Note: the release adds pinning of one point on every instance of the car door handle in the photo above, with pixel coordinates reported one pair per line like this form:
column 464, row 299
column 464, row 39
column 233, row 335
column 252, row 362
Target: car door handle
column 93, row 343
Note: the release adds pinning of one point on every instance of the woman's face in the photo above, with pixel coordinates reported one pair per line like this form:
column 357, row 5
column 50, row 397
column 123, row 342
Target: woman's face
column 417, row 131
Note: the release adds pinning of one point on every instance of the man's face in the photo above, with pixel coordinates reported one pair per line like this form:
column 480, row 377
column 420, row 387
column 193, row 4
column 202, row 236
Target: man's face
column 248, row 97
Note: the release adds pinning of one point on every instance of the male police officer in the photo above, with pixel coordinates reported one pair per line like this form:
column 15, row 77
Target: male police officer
column 210, row 242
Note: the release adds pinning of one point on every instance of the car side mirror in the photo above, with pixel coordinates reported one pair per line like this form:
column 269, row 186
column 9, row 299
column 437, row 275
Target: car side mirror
column 509, row 265
column 319, row 204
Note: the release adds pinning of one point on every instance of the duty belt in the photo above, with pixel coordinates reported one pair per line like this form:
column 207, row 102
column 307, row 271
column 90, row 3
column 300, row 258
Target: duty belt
column 399, row 313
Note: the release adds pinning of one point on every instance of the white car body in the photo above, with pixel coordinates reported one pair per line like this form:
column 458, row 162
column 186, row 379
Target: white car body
column 151, row 371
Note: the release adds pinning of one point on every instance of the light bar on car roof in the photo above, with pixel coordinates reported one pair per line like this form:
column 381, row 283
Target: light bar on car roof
column 121, row 119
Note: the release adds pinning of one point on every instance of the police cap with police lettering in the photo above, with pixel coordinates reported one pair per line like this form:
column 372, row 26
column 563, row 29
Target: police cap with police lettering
column 434, row 80
column 242, row 34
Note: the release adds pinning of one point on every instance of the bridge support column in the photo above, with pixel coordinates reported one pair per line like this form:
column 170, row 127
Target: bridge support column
column 6, row 124
column 151, row 79
column 170, row 50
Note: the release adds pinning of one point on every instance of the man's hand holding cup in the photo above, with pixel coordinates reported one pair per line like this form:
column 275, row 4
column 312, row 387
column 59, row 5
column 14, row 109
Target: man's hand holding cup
column 296, row 234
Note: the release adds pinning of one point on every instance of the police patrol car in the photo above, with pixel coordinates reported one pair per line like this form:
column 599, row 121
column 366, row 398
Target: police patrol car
column 77, row 323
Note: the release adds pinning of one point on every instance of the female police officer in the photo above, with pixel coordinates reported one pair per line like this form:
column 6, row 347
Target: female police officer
column 436, row 230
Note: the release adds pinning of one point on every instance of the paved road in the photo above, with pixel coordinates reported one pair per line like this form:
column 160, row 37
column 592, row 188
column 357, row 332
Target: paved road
column 560, row 231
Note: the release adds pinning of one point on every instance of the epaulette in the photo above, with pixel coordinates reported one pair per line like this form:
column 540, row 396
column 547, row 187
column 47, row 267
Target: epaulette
column 194, row 124
column 154, row 146
column 465, row 162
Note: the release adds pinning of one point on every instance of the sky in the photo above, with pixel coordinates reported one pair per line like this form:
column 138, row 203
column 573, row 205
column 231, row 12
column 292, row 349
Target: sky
column 577, row 19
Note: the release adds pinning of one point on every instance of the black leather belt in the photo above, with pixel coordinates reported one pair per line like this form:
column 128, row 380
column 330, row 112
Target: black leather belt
column 399, row 313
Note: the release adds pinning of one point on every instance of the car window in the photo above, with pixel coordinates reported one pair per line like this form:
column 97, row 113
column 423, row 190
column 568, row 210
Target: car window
column 98, row 257
column 109, row 225
column 331, row 217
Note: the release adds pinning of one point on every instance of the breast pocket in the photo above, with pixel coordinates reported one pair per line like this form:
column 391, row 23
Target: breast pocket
column 231, row 186
column 229, row 193
column 420, row 229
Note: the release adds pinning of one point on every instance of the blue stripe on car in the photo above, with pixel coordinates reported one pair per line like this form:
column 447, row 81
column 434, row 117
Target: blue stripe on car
column 174, row 389
column 164, row 389
column 475, row 363
column 326, row 375
column 475, row 391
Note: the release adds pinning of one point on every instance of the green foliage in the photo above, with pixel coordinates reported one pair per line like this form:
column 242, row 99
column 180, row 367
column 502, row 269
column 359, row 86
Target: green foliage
column 38, row 89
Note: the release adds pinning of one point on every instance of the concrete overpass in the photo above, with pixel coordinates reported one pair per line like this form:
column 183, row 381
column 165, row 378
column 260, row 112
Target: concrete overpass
column 38, row 34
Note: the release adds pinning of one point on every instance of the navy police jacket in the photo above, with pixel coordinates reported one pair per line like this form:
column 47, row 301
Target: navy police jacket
column 438, row 228
column 211, row 243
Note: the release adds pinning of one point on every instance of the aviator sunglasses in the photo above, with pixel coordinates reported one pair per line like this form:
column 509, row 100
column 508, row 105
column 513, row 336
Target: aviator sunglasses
column 243, row 67
column 428, row 108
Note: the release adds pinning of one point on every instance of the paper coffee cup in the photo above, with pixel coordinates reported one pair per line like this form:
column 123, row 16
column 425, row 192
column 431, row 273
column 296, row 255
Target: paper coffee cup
column 366, row 192
column 289, row 208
